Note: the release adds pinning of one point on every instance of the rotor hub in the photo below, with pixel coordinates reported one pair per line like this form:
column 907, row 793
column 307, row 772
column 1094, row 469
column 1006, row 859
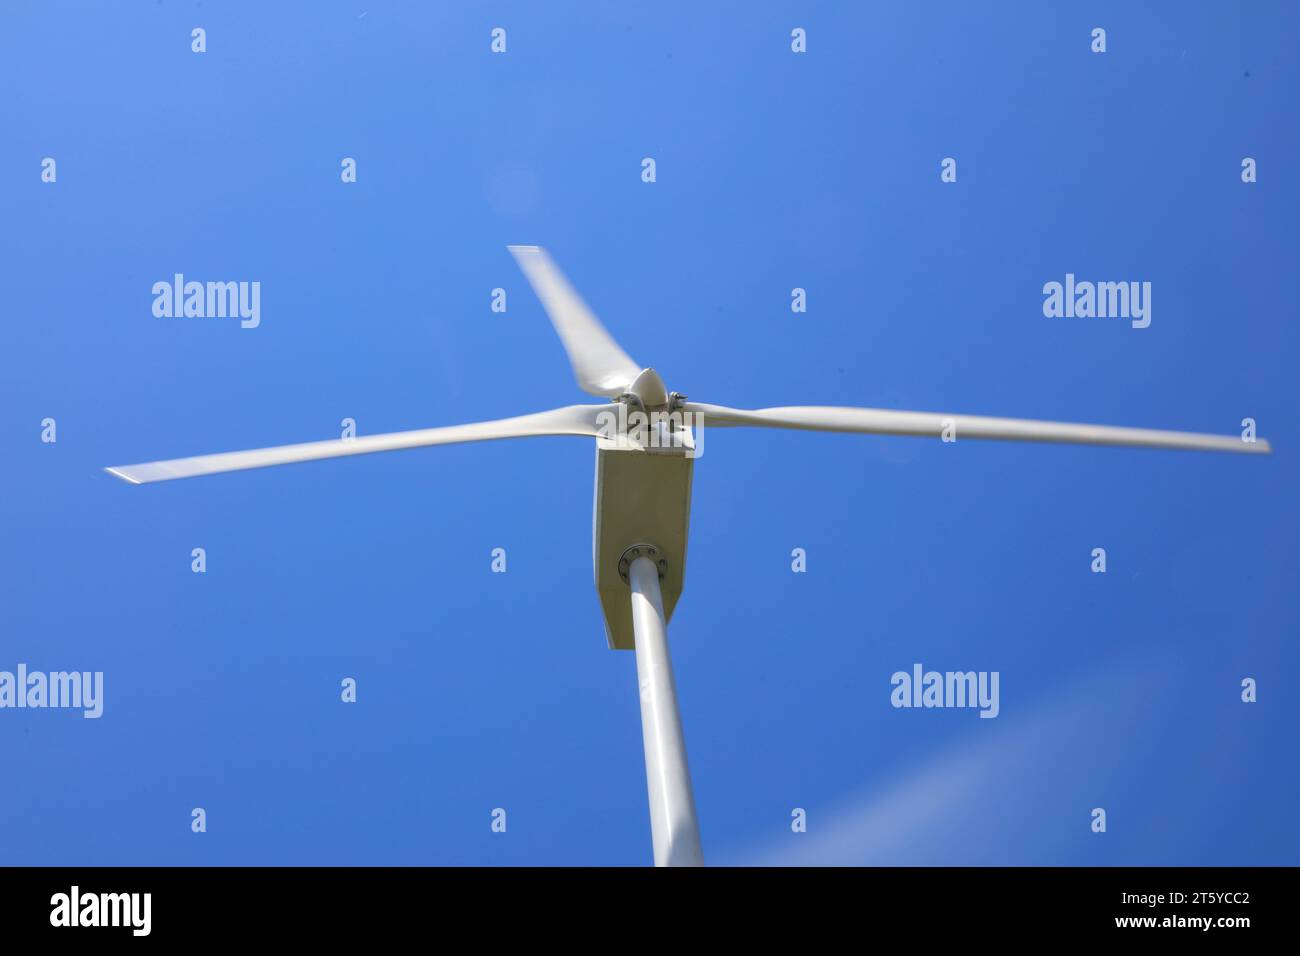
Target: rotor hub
column 649, row 389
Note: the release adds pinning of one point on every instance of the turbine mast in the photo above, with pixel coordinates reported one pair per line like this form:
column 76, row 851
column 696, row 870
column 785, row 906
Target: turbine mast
column 673, row 825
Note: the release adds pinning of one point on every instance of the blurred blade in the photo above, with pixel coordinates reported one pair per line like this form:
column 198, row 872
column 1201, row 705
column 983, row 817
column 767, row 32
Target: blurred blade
column 570, row 420
column 600, row 366
column 877, row 421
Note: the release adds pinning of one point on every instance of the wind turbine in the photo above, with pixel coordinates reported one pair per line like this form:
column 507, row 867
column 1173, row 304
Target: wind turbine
column 645, row 451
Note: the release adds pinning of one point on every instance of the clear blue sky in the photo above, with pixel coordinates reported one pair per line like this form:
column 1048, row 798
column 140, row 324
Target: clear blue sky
column 775, row 170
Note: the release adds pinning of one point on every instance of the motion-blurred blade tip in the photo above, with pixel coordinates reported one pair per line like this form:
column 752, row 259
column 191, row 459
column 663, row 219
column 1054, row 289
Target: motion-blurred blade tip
column 123, row 475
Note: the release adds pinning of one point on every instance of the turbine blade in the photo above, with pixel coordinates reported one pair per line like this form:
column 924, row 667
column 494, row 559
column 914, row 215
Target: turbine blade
column 600, row 366
column 878, row 421
column 570, row 420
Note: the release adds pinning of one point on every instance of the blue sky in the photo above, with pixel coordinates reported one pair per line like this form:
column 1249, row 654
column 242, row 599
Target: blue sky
column 774, row 171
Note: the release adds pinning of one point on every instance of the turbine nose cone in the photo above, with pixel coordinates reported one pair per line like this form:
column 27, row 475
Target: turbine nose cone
column 649, row 387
